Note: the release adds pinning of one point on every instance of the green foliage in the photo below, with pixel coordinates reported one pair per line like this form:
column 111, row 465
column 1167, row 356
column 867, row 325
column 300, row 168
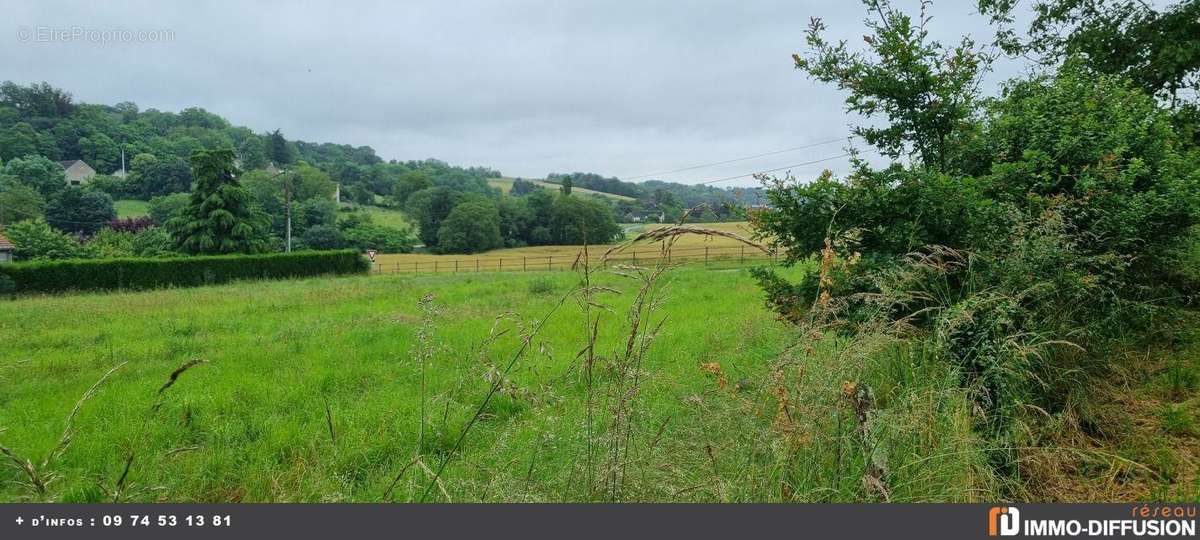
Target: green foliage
column 154, row 242
column 409, row 183
column 110, row 244
column 471, row 227
column 924, row 90
column 576, row 220
column 114, row 186
column 323, row 237
column 167, row 207
column 76, row 210
column 428, row 207
column 19, row 201
column 1152, row 46
column 36, row 240
column 1039, row 228
column 151, row 273
column 151, row 176
column 362, row 234
column 219, row 217
column 46, row 176
column 279, row 150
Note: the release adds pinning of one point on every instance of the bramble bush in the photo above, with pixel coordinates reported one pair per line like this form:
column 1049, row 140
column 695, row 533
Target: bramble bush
column 1060, row 225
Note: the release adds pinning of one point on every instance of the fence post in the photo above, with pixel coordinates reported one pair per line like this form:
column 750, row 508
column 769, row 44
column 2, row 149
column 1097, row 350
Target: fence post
column 634, row 257
column 415, row 270
column 477, row 264
column 742, row 260
column 524, row 265
column 705, row 255
column 435, row 264
column 500, row 262
column 550, row 262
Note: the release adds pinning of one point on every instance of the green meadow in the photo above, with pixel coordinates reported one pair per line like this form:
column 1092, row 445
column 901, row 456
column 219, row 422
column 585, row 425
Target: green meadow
column 314, row 390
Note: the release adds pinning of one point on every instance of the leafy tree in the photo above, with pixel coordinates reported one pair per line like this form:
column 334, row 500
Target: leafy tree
column 1152, row 46
column 409, row 183
column 578, row 220
column 18, row 141
column 523, row 187
column 308, row 182
column 517, row 220
column 219, row 217
column 116, row 187
column 101, row 152
column 429, row 207
column 471, row 227
column 37, row 100
column 253, row 153
column 35, row 239
column 46, row 176
column 111, row 244
column 151, row 176
column 19, row 202
column 154, row 242
column 565, row 187
column 924, row 90
column 76, row 210
column 167, row 207
column 279, row 150
column 323, row 237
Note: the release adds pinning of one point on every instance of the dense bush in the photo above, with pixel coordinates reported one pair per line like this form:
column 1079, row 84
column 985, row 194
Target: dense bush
column 149, row 273
column 35, row 239
column 1053, row 232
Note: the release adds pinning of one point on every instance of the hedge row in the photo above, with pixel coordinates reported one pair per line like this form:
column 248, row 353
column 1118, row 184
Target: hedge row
column 109, row 274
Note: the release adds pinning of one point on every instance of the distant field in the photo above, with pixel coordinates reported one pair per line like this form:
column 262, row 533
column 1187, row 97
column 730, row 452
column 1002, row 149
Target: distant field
column 127, row 208
column 505, row 185
column 388, row 217
column 560, row 257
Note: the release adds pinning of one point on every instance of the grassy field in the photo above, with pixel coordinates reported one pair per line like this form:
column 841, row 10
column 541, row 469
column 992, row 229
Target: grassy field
column 388, row 217
column 561, row 257
column 505, row 185
column 127, row 208
column 313, row 391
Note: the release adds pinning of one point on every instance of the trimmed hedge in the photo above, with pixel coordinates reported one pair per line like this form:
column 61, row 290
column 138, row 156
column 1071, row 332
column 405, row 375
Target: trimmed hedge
column 151, row 273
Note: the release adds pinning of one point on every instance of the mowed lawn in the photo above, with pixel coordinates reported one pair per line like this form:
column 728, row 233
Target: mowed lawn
column 130, row 208
column 689, row 246
column 287, row 360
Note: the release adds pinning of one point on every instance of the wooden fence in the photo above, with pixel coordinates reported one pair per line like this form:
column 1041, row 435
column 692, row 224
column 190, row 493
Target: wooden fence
column 706, row 255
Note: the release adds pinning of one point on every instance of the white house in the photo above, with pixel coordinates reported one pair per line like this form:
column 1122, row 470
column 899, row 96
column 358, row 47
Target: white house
column 78, row 172
column 6, row 249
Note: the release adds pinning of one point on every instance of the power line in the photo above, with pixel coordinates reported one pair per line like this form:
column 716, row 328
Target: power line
column 704, row 165
column 727, row 178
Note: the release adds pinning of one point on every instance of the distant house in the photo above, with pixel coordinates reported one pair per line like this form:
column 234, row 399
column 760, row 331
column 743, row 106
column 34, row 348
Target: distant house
column 6, row 249
column 78, row 172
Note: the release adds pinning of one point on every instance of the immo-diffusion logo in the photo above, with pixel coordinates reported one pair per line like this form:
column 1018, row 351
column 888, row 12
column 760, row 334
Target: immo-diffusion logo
column 1004, row 521
column 1144, row 520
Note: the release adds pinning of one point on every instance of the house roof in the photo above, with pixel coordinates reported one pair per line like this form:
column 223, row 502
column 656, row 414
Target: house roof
column 71, row 162
column 5, row 245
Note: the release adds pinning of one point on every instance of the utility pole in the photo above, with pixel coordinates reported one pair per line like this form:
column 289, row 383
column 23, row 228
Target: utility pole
column 287, row 202
column 287, row 198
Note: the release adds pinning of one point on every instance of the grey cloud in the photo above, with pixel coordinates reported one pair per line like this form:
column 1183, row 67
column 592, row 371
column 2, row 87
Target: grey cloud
column 528, row 87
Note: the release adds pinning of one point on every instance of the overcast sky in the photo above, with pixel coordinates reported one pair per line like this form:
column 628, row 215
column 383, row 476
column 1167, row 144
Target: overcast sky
column 620, row 88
